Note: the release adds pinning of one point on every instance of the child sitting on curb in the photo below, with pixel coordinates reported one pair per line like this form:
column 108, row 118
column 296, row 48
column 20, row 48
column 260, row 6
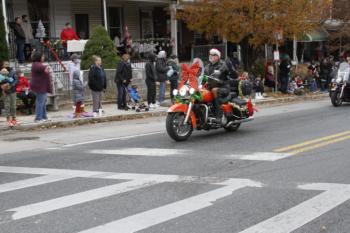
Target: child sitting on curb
column 258, row 87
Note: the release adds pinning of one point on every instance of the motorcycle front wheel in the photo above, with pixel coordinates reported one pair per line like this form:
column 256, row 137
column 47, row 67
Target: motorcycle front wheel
column 175, row 127
column 336, row 99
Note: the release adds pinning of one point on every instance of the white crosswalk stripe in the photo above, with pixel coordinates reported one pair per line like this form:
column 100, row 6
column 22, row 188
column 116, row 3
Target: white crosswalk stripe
column 21, row 184
column 158, row 152
column 140, row 152
column 332, row 196
column 155, row 216
column 78, row 198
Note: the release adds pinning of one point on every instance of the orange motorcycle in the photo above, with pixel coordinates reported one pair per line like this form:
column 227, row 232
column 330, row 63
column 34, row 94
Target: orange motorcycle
column 194, row 107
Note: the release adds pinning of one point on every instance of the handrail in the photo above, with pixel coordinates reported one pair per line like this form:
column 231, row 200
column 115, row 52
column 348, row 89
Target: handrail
column 48, row 45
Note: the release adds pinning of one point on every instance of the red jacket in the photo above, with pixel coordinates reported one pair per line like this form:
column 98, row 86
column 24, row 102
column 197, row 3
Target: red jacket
column 22, row 83
column 68, row 34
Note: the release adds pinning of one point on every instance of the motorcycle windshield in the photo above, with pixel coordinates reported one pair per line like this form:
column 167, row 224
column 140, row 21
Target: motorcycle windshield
column 343, row 72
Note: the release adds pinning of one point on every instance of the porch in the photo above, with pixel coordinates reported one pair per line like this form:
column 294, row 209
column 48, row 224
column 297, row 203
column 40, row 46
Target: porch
column 147, row 20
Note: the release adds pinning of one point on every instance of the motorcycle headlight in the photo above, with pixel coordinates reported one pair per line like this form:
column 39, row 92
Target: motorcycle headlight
column 175, row 92
column 339, row 80
column 192, row 91
column 183, row 91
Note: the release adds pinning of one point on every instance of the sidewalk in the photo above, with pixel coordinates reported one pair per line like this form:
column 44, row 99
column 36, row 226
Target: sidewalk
column 63, row 118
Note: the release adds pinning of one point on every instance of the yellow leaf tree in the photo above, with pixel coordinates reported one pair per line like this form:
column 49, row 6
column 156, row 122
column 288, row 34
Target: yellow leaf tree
column 339, row 26
column 254, row 21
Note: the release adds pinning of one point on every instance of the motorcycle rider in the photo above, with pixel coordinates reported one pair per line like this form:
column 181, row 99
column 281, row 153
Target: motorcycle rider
column 219, row 67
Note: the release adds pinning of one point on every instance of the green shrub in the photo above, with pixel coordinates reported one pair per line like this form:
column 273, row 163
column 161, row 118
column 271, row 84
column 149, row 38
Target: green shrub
column 100, row 44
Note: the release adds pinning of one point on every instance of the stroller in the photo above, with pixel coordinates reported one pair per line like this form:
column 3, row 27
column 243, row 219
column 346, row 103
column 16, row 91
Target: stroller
column 134, row 99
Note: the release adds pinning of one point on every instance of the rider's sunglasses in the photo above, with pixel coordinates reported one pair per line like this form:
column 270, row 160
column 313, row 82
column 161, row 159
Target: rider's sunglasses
column 212, row 54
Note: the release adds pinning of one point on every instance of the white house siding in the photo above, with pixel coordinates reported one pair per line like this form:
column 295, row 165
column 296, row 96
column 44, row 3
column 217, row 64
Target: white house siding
column 60, row 15
column 131, row 11
column 132, row 19
column 91, row 7
column 20, row 7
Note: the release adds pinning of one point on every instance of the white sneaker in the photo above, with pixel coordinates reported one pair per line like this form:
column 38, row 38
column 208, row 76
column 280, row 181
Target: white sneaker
column 94, row 114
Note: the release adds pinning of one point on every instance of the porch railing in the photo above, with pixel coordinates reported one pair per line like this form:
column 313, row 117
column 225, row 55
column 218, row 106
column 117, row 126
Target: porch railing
column 202, row 51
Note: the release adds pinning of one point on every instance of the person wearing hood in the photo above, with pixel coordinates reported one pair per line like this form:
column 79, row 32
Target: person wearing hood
column 151, row 79
column 162, row 74
column 78, row 93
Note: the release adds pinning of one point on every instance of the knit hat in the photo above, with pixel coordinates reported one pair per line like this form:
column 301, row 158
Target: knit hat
column 162, row 54
column 215, row 52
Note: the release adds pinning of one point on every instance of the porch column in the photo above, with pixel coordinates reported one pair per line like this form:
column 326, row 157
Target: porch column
column 173, row 20
column 105, row 22
column 3, row 3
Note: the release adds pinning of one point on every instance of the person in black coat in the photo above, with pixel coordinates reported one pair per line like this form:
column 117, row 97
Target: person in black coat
column 285, row 68
column 122, row 79
column 151, row 79
column 97, row 83
column 20, row 39
column 162, row 70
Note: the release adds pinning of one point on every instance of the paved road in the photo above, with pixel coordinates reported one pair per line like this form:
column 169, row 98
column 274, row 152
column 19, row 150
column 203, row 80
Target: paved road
column 288, row 171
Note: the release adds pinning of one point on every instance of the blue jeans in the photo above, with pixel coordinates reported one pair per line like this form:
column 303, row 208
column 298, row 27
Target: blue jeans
column 161, row 92
column 20, row 52
column 121, row 95
column 40, row 107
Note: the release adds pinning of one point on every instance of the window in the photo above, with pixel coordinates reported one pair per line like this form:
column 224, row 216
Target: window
column 115, row 22
column 39, row 10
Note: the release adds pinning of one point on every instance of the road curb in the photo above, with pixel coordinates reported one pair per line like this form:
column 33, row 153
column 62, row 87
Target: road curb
column 144, row 115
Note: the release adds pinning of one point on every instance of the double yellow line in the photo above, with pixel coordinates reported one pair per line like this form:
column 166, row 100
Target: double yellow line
column 314, row 144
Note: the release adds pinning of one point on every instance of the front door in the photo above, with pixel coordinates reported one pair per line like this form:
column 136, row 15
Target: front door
column 82, row 25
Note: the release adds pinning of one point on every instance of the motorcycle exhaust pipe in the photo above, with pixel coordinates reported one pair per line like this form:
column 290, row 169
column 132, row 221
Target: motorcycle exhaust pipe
column 240, row 121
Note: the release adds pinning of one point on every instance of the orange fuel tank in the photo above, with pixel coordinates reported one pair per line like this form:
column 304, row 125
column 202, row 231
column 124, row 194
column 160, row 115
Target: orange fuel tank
column 207, row 96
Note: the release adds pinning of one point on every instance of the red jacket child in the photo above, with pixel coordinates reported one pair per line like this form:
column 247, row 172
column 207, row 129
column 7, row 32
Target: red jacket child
column 23, row 84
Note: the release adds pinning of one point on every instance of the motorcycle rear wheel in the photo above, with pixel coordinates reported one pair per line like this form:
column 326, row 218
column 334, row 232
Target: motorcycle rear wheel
column 335, row 99
column 175, row 127
column 233, row 127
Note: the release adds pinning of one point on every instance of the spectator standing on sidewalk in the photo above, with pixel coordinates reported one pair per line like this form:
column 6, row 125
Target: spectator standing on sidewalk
column 285, row 68
column 173, row 64
column 24, row 92
column 28, row 32
column 97, row 83
column 162, row 70
column 73, row 66
column 78, row 94
column 20, row 39
column 41, row 84
column 325, row 73
column 151, row 78
column 10, row 93
column 122, row 79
